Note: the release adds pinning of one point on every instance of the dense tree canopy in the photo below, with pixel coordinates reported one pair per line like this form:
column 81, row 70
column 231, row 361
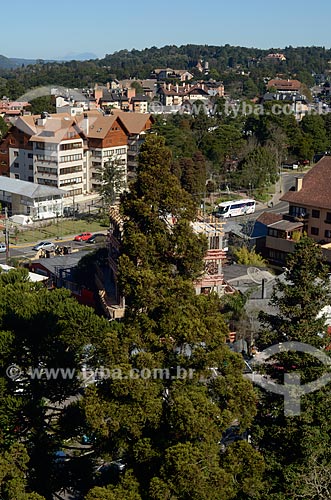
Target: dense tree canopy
column 293, row 444
column 168, row 429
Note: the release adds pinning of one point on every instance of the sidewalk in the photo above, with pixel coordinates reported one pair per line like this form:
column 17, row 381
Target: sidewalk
column 275, row 199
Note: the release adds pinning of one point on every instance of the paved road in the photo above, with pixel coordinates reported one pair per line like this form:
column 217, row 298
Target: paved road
column 25, row 251
column 287, row 181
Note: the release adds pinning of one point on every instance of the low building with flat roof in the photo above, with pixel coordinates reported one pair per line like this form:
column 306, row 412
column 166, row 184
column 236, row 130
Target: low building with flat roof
column 27, row 198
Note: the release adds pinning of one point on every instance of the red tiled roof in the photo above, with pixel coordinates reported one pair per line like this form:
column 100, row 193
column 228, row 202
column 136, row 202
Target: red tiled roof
column 284, row 84
column 316, row 187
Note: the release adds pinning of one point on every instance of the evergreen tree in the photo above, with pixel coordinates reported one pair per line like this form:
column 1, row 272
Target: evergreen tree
column 288, row 442
column 39, row 330
column 168, row 429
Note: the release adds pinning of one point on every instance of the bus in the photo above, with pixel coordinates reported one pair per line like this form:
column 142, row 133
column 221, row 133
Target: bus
column 235, row 208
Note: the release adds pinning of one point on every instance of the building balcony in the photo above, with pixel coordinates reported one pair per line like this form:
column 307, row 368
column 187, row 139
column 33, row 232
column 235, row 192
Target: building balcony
column 297, row 218
column 280, row 244
column 46, row 162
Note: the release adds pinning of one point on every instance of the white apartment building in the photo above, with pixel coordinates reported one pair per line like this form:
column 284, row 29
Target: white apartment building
column 69, row 152
column 49, row 151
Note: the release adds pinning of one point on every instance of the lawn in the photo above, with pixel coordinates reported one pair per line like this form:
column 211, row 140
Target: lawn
column 57, row 230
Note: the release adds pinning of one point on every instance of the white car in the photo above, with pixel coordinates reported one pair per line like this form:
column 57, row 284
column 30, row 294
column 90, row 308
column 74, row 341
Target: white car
column 3, row 248
column 44, row 245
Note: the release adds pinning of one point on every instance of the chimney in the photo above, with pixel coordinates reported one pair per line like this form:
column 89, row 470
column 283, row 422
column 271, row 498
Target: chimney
column 298, row 183
column 264, row 291
column 131, row 93
column 41, row 122
column 85, row 124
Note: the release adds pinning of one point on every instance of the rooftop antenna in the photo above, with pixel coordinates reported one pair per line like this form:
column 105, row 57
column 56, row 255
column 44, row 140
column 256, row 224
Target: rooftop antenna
column 256, row 275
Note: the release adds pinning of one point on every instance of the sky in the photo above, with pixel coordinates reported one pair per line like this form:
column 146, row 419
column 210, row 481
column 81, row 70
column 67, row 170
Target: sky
column 53, row 29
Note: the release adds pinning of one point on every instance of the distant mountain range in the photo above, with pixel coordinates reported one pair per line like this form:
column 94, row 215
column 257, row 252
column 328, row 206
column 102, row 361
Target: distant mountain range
column 85, row 56
column 15, row 62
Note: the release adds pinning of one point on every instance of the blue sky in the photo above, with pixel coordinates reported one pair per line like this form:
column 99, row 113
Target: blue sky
column 44, row 29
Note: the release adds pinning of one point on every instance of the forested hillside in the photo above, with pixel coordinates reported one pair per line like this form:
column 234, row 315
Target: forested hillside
column 224, row 63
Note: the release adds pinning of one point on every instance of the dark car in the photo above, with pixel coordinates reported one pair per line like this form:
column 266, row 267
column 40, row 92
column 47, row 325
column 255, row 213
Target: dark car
column 233, row 434
column 97, row 238
column 70, row 212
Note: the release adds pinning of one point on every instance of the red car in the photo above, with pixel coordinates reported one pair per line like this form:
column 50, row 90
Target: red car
column 82, row 236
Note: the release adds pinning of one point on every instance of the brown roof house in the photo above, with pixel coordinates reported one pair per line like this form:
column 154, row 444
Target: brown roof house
column 309, row 212
column 136, row 126
column 284, row 85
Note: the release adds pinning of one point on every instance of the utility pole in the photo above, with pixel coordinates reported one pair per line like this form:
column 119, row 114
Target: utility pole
column 73, row 205
column 7, row 234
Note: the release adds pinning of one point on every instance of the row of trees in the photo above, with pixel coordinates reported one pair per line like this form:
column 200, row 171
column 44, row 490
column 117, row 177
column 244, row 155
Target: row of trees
column 239, row 150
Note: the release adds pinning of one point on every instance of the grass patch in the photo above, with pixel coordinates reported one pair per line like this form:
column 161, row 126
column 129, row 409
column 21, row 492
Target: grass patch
column 229, row 197
column 58, row 230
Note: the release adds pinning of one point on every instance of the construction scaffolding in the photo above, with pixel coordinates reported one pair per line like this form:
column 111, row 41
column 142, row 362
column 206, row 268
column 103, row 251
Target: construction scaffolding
column 213, row 279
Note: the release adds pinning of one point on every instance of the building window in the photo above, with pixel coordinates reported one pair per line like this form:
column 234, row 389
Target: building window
column 328, row 216
column 277, row 255
column 327, row 233
column 272, row 232
column 315, row 214
column 297, row 211
column 30, row 167
column 68, row 158
column 314, row 231
column 75, row 180
column 47, row 182
column 30, row 179
column 72, row 145
column 46, row 146
column 46, row 170
column 30, row 155
column 17, row 176
column 71, row 170
column 16, row 165
column 15, row 154
column 73, row 192
column 47, row 158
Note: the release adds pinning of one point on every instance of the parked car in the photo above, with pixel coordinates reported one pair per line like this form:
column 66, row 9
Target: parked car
column 44, row 245
column 97, row 238
column 233, row 434
column 70, row 212
column 82, row 237
column 3, row 247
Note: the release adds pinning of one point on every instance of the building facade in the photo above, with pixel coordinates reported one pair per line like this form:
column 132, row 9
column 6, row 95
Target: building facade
column 309, row 212
column 70, row 152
